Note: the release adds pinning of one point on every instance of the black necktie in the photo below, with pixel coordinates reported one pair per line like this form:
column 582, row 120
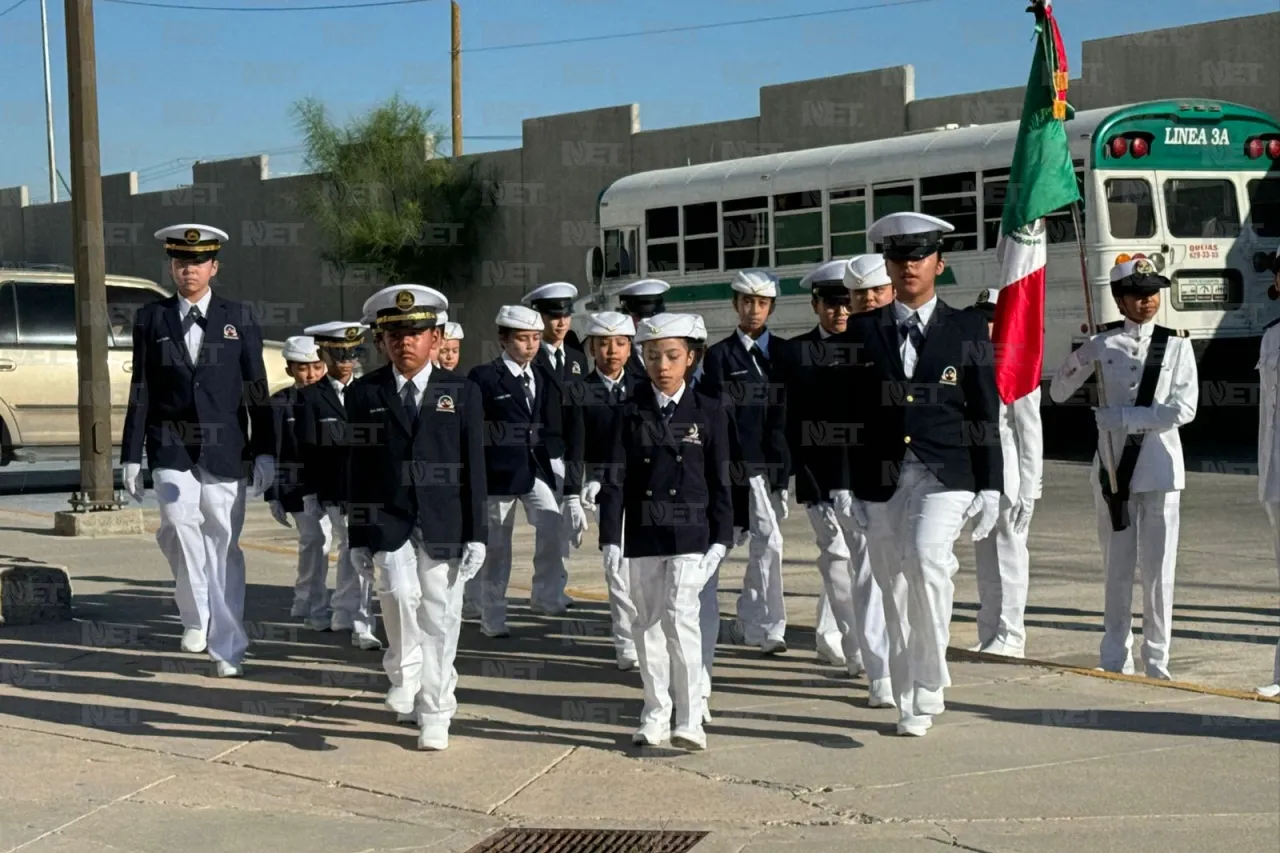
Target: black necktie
column 560, row 363
column 527, row 381
column 617, row 392
column 668, row 410
column 910, row 329
column 408, row 395
column 193, row 318
column 761, row 360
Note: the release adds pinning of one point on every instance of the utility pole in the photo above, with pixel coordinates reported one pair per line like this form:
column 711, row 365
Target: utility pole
column 455, row 61
column 96, row 481
column 48, row 103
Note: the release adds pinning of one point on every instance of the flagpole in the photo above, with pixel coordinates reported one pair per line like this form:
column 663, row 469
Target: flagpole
column 1108, row 453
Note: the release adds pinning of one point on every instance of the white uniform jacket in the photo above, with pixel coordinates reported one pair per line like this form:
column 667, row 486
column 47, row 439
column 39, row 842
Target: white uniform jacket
column 1268, row 413
column 1123, row 352
column 1022, row 441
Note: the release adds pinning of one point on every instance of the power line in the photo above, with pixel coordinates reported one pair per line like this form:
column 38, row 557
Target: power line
column 693, row 27
column 368, row 5
column 11, row 8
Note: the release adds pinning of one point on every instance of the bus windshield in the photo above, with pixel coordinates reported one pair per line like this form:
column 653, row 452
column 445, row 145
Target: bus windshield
column 1198, row 207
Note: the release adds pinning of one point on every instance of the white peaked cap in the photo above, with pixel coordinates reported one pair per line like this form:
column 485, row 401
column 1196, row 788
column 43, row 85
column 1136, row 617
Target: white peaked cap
column 520, row 318
column 904, row 223
column 645, row 287
column 608, row 324
column 865, row 272
column 756, row 283
column 831, row 271
column 1137, row 266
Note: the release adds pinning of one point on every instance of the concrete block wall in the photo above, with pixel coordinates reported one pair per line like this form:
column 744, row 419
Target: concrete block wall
column 546, row 191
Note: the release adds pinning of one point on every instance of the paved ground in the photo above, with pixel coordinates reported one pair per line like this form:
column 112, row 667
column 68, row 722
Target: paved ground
column 113, row 740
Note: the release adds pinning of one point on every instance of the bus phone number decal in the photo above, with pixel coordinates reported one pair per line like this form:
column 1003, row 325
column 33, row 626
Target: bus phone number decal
column 1201, row 251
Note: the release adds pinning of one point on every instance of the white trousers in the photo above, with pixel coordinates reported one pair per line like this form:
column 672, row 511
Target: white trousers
column 1003, row 568
column 422, row 609
column 666, row 592
column 1150, row 545
column 352, row 600
column 489, row 588
column 200, row 519
column 1273, row 513
column 708, row 626
column 850, row 591
column 825, row 625
column 310, row 591
column 761, row 608
column 911, row 538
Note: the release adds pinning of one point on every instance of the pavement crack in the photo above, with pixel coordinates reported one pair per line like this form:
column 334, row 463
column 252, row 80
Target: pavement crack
column 952, row 841
column 540, row 774
column 91, row 813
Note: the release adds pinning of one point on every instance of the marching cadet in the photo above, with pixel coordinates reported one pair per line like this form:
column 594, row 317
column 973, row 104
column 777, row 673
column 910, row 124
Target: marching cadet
column 665, row 482
column 1269, row 446
column 928, row 457
column 196, row 359
column 738, row 369
column 450, row 352
column 322, row 442
column 599, row 396
column 851, row 629
column 285, row 495
column 641, row 300
column 1150, row 379
column 567, row 366
column 1003, row 562
column 524, row 453
column 416, row 502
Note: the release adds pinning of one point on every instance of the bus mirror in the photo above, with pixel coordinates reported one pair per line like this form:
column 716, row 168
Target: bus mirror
column 595, row 266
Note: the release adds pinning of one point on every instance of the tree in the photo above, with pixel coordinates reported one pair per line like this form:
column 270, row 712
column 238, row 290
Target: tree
column 383, row 199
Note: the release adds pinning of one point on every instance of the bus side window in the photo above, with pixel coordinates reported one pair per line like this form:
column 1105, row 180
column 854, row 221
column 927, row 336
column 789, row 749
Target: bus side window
column 1130, row 208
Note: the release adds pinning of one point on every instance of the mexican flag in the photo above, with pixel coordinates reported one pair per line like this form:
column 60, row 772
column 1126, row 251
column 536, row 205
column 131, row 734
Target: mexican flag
column 1041, row 180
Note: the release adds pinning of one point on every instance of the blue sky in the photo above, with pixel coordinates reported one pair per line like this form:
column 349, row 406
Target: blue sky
column 177, row 84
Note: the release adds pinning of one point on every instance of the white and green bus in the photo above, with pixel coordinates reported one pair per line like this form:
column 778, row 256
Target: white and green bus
column 1194, row 185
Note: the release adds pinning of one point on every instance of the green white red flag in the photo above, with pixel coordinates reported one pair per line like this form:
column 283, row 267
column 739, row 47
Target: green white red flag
column 1041, row 180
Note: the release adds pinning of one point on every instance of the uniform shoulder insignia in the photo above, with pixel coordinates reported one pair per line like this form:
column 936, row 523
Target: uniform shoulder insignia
column 1106, row 327
column 1175, row 333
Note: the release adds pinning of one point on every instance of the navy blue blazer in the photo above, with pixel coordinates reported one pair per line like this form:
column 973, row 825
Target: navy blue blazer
column 288, row 487
column 667, row 480
column 428, row 472
column 187, row 414
column 819, row 447
column 322, row 441
column 597, row 406
column 759, row 402
column 574, row 372
column 518, row 444
column 947, row 413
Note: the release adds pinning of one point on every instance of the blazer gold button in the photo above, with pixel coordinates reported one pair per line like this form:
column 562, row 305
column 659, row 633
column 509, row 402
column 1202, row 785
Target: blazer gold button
column 671, row 492
column 678, row 458
column 910, row 399
column 646, row 459
column 906, row 440
column 648, row 493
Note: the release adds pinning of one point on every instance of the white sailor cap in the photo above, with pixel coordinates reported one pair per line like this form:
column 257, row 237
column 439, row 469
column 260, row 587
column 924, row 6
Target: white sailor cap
column 908, row 236
column 864, row 272
column 826, row 281
column 644, row 297
column 699, row 328
column 406, row 307
column 300, row 348
column 986, row 301
column 192, row 240
column 340, row 339
column 756, row 283
column 1137, row 275
column 661, row 326
column 520, row 318
column 609, row 324
column 453, row 331
column 555, row 299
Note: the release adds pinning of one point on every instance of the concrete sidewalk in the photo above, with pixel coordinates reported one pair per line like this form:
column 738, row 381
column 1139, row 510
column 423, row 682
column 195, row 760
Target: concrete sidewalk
column 114, row 740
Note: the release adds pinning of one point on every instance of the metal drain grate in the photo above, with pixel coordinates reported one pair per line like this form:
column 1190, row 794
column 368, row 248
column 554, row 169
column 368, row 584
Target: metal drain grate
column 589, row 841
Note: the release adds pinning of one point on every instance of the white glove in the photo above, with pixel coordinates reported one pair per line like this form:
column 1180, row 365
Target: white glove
column 612, row 560
column 760, row 519
column 784, row 506
column 1020, row 517
column 264, row 473
column 557, row 468
column 850, row 507
column 1085, row 354
column 711, row 560
column 577, row 518
column 311, row 506
column 589, row 493
column 1109, row 418
column 740, row 536
column 986, row 507
column 472, row 560
column 278, row 513
column 131, row 475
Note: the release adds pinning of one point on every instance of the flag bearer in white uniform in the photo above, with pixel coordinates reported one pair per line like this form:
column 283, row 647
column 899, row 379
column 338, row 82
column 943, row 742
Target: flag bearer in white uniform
column 416, row 503
column 1003, row 561
column 1269, row 446
column 928, row 457
column 323, row 434
column 1149, row 374
column 450, row 352
column 197, row 359
column 665, row 481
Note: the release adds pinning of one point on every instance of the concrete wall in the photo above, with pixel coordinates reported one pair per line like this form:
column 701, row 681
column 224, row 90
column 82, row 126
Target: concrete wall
column 546, row 191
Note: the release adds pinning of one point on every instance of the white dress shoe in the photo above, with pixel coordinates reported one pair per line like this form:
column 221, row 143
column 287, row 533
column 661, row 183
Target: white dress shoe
column 929, row 703
column 316, row 624
column 880, row 694
column 410, row 719
column 976, row 647
column 1269, row 691
column 706, row 716
column 433, row 738
column 227, row 670
column 1003, row 649
column 298, row 610
column 194, row 641
column 772, row 646
column 651, row 734
column 495, row 631
column 365, row 640
column 915, row 727
column 402, row 699
column 1159, row 673
column 626, row 663
column 553, row 610
column 829, row 652
column 690, row 737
